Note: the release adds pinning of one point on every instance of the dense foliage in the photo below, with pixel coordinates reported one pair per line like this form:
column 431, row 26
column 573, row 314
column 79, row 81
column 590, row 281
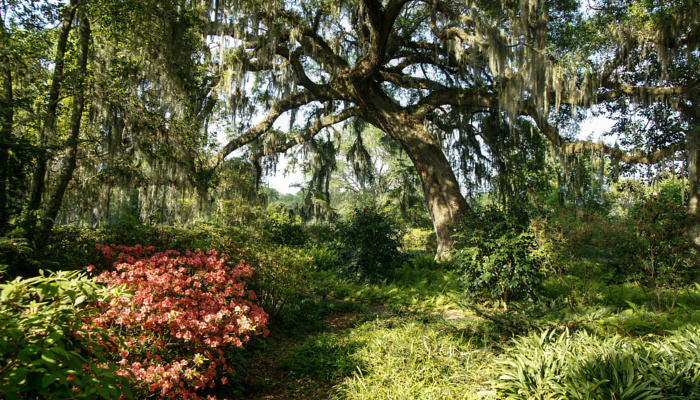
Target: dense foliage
column 459, row 122
column 368, row 246
column 498, row 258
column 47, row 350
column 581, row 366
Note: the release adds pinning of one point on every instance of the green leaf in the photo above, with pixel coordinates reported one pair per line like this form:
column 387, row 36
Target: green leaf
column 104, row 392
column 17, row 376
column 49, row 357
column 49, row 379
column 60, row 351
column 80, row 300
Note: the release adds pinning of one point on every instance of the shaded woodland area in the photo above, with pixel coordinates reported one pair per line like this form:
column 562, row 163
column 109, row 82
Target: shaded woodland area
column 455, row 230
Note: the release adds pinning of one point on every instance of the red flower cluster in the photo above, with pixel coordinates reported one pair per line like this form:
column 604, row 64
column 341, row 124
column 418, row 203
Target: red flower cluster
column 183, row 312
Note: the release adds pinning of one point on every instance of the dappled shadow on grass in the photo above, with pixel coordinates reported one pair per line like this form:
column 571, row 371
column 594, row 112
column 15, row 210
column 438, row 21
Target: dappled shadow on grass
column 325, row 348
column 262, row 374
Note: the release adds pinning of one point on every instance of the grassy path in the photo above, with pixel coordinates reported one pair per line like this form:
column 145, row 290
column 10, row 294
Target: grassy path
column 273, row 382
column 419, row 355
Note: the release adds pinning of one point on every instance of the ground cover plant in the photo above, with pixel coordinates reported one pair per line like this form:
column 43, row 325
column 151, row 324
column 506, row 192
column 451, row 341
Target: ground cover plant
column 581, row 366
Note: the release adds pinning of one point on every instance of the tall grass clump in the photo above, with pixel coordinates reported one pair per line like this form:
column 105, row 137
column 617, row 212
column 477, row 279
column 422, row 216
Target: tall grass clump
column 551, row 365
column 411, row 359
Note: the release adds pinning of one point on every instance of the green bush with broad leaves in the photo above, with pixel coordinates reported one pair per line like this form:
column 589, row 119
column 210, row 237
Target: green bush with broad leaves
column 666, row 262
column 551, row 365
column 497, row 257
column 280, row 274
column 45, row 350
column 368, row 247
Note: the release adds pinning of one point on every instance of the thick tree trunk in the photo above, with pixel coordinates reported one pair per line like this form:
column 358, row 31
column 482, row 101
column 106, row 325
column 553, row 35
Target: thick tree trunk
column 6, row 122
column 693, row 156
column 49, row 129
column 71, row 145
column 445, row 202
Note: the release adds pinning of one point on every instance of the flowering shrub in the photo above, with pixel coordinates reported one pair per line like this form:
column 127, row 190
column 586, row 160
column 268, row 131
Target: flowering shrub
column 183, row 313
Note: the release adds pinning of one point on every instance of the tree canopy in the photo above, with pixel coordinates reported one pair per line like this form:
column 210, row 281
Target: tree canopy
column 463, row 88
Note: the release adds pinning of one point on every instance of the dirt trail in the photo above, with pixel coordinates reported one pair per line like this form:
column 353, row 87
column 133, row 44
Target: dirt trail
column 275, row 384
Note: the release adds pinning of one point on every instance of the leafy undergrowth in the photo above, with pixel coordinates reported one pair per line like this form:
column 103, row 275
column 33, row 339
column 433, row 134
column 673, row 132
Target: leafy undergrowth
column 584, row 366
column 419, row 289
column 305, row 319
column 413, row 358
column 477, row 351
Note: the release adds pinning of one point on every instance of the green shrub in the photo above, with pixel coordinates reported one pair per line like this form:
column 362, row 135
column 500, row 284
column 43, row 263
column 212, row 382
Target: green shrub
column 285, row 229
column 280, row 274
column 321, row 234
column 369, row 247
column 45, row 351
column 666, row 262
column 497, row 258
column 582, row 250
column 72, row 248
column 323, row 256
column 419, row 239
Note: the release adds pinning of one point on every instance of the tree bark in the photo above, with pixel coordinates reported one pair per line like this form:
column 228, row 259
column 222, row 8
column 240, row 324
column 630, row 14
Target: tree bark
column 71, row 145
column 6, row 122
column 693, row 157
column 446, row 204
column 49, row 129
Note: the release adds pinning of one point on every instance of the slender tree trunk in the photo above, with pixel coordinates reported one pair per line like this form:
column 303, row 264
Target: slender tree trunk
column 49, row 129
column 71, row 145
column 6, row 121
column 693, row 154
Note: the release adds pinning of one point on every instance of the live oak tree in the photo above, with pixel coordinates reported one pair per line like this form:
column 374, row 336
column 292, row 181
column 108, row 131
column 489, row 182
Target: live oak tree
column 430, row 72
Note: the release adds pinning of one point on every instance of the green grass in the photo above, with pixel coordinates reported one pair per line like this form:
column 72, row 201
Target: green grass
column 421, row 289
column 400, row 357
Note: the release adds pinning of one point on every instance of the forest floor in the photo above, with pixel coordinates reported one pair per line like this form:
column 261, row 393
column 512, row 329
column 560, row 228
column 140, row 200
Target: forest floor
column 274, row 383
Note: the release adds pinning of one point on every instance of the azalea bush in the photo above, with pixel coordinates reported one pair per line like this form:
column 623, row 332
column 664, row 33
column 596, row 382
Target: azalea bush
column 46, row 349
column 184, row 315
